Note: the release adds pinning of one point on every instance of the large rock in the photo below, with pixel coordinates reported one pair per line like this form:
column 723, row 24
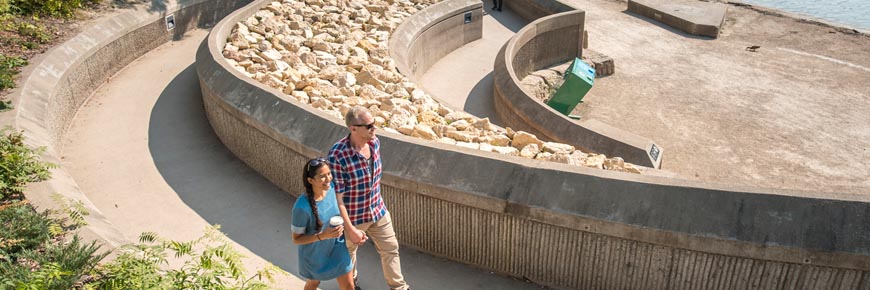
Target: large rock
column 506, row 150
column 595, row 161
column 530, row 150
column 560, row 148
column 366, row 77
column 521, row 139
column 424, row 132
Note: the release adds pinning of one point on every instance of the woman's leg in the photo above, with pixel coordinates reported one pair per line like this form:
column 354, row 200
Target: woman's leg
column 311, row 284
column 345, row 282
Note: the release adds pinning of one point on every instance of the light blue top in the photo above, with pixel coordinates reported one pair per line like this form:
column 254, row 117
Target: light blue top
column 321, row 260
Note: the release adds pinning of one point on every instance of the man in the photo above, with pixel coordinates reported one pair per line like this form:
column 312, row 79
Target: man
column 356, row 170
column 496, row 5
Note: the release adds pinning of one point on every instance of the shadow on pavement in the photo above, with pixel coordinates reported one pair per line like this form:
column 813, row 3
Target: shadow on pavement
column 506, row 18
column 255, row 213
column 479, row 101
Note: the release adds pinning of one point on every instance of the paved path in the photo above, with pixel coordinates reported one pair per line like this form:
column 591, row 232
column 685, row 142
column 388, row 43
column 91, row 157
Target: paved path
column 793, row 115
column 143, row 152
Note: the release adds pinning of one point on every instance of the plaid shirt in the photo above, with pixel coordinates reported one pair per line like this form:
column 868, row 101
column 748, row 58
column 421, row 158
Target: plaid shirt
column 355, row 181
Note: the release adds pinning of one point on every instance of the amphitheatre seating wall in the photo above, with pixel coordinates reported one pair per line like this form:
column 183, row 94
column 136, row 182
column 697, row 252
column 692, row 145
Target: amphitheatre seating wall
column 555, row 224
column 57, row 83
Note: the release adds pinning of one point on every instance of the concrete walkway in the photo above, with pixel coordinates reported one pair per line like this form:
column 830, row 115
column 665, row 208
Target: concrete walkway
column 143, row 152
column 792, row 115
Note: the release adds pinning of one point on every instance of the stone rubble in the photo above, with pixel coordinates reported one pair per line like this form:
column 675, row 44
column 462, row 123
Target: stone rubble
column 332, row 55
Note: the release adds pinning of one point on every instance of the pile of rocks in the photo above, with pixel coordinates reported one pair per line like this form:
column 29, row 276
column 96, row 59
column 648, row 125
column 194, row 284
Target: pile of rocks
column 332, row 54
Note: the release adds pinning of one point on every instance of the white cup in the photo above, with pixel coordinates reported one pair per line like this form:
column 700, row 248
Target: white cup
column 335, row 222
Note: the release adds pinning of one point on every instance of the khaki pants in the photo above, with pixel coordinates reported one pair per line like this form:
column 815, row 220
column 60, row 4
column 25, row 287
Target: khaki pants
column 381, row 233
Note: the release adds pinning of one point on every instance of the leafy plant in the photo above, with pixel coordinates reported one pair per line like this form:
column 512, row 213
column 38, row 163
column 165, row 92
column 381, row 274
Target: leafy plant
column 210, row 262
column 8, row 69
column 57, row 8
column 33, row 31
column 21, row 229
column 19, row 164
column 58, row 265
column 33, row 253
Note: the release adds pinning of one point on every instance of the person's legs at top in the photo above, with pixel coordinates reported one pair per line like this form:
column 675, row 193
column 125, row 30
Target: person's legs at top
column 384, row 237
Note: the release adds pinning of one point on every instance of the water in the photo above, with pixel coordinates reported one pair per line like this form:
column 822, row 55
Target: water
column 851, row 13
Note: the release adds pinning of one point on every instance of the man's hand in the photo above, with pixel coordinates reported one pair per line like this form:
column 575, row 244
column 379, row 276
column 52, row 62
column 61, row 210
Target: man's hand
column 356, row 236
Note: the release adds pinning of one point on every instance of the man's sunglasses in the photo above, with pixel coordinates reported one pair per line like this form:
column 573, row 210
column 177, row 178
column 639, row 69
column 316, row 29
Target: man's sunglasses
column 368, row 126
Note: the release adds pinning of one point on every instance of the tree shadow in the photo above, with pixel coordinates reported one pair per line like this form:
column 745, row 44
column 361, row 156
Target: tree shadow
column 506, row 17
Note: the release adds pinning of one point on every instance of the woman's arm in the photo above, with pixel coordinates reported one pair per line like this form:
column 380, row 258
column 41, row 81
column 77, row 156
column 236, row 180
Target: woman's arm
column 328, row 233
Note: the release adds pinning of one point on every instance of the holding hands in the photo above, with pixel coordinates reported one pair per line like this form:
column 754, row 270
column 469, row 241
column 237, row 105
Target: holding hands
column 356, row 236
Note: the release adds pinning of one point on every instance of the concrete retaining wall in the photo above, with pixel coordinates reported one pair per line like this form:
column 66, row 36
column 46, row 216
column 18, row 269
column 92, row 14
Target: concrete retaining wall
column 57, row 83
column 556, row 224
column 429, row 35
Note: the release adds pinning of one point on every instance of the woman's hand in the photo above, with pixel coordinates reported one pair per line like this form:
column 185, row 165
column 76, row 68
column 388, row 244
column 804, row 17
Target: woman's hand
column 332, row 233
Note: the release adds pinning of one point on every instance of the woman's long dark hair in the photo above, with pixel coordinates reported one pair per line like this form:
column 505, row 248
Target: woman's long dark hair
column 309, row 171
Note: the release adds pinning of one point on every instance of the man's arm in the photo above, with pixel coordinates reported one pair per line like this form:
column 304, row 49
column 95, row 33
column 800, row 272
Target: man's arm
column 355, row 235
column 340, row 180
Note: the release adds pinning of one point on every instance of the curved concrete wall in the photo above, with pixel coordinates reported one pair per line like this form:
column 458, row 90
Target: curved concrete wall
column 552, row 223
column 545, row 42
column 429, row 35
column 57, row 83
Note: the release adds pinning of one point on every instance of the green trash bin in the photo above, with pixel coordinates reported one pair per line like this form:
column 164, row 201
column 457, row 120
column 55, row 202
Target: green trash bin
column 578, row 81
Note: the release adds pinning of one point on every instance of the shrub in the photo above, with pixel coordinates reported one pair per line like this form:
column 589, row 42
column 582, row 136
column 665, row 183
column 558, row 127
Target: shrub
column 57, row 8
column 210, row 262
column 33, row 252
column 19, row 164
column 57, row 265
column 8, row 69
column 22, row 228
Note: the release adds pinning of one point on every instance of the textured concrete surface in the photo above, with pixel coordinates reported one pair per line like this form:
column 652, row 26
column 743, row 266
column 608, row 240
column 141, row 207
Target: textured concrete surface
column 692, row 17
column 144, row 153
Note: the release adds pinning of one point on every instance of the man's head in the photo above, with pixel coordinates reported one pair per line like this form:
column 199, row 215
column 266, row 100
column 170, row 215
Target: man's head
column 361, row 124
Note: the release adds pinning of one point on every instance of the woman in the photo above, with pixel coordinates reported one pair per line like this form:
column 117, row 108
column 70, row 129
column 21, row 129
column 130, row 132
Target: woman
column 321, row 255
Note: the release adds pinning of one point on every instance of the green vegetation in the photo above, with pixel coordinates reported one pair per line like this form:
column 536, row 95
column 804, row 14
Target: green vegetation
column 19, row 165
column 41, row 250
column 210, row 262
column 35, row 252
column 54, row 8
column 8, row 69
column 26, row 26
